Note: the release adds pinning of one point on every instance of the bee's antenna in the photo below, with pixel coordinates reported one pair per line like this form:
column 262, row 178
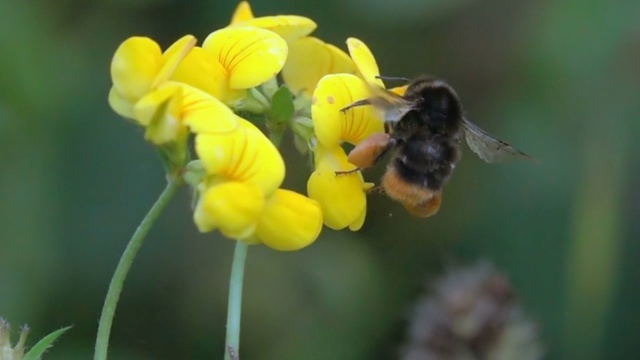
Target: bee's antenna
column 393, row 78
column 356, row 104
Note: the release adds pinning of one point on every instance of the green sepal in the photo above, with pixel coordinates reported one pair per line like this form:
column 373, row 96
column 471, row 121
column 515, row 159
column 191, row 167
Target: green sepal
column 254, row 102
column 302, row 105
column 174, row 155
column 35, row 353
column 301, row 144
column 194, row 173
column 282, row 107
column 269, row 87
column 303, row 127
column 280, row 113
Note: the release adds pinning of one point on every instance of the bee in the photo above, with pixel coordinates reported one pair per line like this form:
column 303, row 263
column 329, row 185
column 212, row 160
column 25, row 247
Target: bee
column 423, row 132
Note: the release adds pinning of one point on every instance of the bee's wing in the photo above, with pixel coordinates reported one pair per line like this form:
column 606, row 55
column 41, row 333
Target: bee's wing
column 393, row 105
column 487, row 147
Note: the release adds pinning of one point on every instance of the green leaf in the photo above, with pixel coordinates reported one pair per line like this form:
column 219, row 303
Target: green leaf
column 38, row 349
column 282, row 108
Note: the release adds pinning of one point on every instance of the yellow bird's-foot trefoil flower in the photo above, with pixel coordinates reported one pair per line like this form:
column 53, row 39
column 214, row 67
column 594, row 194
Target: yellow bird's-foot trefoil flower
column 233, row 60
column 333, row 173
column 309, row 60
column 341, row 197
column 139, row 67
column 289, row 27
column 247, row 53
column 240, row 195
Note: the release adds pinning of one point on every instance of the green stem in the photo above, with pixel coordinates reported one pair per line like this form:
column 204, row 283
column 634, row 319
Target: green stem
column 115, row 287
column 234, row 308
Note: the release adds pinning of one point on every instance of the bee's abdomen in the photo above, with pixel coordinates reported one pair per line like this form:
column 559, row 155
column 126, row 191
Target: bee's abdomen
column 428, row 163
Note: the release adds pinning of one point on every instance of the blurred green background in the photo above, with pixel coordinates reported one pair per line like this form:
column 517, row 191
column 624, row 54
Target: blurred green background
column 559, row 79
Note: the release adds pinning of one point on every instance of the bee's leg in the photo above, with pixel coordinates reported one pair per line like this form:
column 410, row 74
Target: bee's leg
column 379, row 156
column 393, row 78
column 362, row 102
column 390, row 145
column 369, row 151
column 376, row 190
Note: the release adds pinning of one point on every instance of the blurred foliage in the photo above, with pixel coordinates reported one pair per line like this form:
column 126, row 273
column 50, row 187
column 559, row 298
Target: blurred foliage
column 558, row 79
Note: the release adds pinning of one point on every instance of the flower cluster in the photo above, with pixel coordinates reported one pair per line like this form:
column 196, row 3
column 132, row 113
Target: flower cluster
column 201, row 90
column 189, row 89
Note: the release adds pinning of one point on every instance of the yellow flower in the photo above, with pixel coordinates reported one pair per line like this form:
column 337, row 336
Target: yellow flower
column 309, row 60
column 167, row 112
column 139, row 66
column 240, row 196
column 142, row 92
column 245, row 155
column 290, row 221
column 365, row 61
column 289, row 27
column 332, row 126
column 232, row 207
column 232, row 60
column 342, row 197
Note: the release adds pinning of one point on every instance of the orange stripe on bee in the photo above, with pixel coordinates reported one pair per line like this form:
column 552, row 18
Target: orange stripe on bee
column 418, row 200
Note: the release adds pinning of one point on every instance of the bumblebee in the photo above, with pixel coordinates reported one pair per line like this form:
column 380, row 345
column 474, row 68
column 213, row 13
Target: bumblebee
column 423, row 132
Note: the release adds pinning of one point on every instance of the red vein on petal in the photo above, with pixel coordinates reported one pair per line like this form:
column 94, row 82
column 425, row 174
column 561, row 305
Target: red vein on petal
column 247, row 50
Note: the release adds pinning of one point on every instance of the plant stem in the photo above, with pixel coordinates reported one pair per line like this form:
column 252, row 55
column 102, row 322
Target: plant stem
column 120, row 274
column 234, row 308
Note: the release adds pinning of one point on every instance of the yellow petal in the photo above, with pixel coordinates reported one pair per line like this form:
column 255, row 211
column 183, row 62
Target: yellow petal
column 340, row 61
column 341, row 197
column 289, row 27
column 365, row 61
column 244, row 155
column 172, row 57
column 242, row 13
column 333, row 93
column 203, row 71
column 358, row 222
column 232, row 207
column 134, row 66
column 203, row 113
column 250, row 55
column 309, row 60
column 399, row 90
column 159, row 111
column 164, row 100
column 119, row 104
column 290, row 221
